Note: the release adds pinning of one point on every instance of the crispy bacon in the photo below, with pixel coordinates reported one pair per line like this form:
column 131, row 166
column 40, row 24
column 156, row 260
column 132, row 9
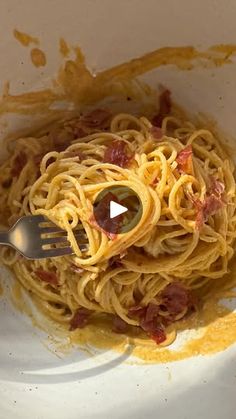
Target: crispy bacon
column 184, row 160
column 164, row 108
column 137, row 312
column 149, row 325
column 216, row 187
column 155, row 332
column 200, row 219
column 98, row 118
column 154, row 329
column 213, row 202
column 156, row 133
column 119, row 325
column 175, row 299
column 118, row 153
column 158, row 335
column 78, row 132
column 149, row 321
column 18, row 163
column 94, row 223
column 76, row 269
column 46, row 276
column 80, row 319
column 61, row 139
column 115, row 262
column 151, row 312
column 210, row 206
column 102, row 214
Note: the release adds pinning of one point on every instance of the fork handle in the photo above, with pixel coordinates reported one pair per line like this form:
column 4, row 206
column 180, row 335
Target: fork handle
column 4, row 238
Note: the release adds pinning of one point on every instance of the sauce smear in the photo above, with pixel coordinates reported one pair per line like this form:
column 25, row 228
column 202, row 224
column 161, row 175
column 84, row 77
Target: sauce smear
column 38, row 57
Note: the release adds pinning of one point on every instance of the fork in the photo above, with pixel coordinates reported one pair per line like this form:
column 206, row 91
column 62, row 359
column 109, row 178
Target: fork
column 27, row 236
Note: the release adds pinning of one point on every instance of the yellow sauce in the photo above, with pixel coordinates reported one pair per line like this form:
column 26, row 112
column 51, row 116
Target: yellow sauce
column 1, row 290
column 38, row 57
column 213, row 329
column 24, row 38
column 218, row 333
column 215, row 324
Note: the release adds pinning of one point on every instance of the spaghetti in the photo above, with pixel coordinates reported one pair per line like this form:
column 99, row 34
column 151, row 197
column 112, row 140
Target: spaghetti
column 156, row 273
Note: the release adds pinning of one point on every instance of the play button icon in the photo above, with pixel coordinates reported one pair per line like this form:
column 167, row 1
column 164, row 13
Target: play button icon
column 117, row 209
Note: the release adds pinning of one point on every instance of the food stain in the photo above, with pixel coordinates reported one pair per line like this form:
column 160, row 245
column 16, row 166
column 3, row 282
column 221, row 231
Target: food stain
column 38, row 57
column 77, row 84
column 64, row 48
column 24, row 38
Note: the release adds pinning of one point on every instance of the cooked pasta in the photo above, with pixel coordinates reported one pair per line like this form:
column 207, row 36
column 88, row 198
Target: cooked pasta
column 154, row 274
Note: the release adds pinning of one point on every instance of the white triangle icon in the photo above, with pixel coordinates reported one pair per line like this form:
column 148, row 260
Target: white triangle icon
column 116, row 209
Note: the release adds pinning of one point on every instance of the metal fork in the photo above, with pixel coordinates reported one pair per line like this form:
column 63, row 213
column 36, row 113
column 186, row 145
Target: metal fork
column 27, row 236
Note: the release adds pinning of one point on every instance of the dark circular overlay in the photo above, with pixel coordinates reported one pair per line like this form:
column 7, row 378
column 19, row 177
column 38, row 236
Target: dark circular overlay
column 107, row 200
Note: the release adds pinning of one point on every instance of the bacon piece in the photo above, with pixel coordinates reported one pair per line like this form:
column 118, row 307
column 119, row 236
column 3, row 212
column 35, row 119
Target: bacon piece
column 115, row 262
column 119, row 325
column 184, row 160
column 79, row 132
column 217, row 187
column 118, row 153
column 154, row 328
column 164, row 108
column 149, row 321
column 97, row 119
column 151, row 312
column 149, row 324
column 94, row 223
column 80, row 319
column 61, row 139
column 156, row 133
column 46, row 276
column 18, row 163
column 102, row 214
column 158, row 335
column 137, row 312
column 76, row 269
column 200, row 216
column 175, row 299
column 211, row 204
